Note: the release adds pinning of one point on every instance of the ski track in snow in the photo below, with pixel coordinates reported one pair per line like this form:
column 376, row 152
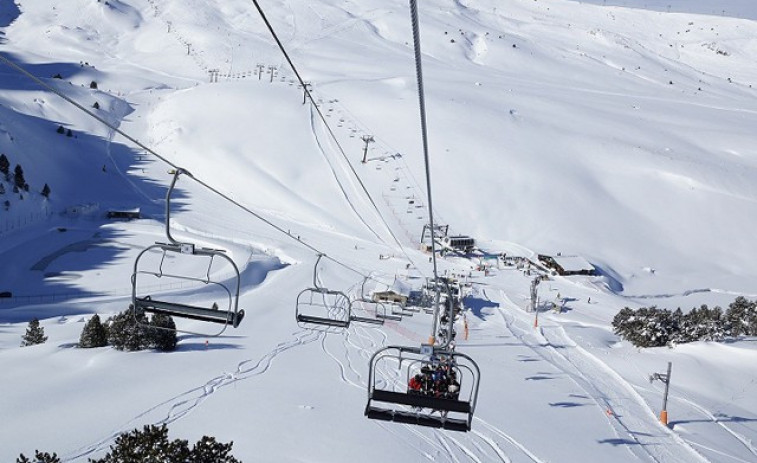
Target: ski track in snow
column 181, row 405
column 631, row 419
column 476, row 447
column 739, row 437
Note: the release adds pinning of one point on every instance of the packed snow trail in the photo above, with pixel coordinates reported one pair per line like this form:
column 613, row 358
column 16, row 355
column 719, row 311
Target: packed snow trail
column 351, row 351
column 634, row 424
column 742, row 440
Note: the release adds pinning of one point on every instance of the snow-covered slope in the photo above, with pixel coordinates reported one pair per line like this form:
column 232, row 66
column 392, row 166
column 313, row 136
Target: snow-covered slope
column 619, row 130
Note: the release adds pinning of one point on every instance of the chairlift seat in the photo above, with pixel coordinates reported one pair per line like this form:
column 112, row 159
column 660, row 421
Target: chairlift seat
column 420, row 400
column 374, row 321
column 213, row 315
column 390, row 316
column 325, row 321
column 408, row 417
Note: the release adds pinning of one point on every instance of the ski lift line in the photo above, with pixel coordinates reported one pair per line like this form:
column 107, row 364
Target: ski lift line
column 171, row 164
column 314, row 106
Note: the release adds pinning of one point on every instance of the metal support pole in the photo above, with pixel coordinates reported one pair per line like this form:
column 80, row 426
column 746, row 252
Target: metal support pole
column 306, row 86
column 260, row 68
column 367, row 139
column 271, row 70
column 665, row 379
column 534, row 285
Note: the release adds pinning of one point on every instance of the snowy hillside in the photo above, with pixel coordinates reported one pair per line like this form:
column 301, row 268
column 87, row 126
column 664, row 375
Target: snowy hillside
column 621, row 131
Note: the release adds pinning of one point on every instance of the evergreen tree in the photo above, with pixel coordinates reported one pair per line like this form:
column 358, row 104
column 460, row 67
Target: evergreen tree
column 5, row 165
column 208, row 449
column 645, row 327
column 18, row 177
column 677, row 335
column 741, row 317
column 2, row 189
column 94, row 334
column 163, row 333
column 151, row 445
column 46, row 191
column 39, row 457
column 35, row 334
column 703, row 324
column 126, row 331
column 61, row 130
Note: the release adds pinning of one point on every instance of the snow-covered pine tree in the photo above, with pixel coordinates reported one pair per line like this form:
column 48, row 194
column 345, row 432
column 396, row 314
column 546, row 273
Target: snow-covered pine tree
column 94, row 334
column 125, row 333
column 162, row 333
column 35, row 334
column 704, row 324
column 645, row 327
column 741, row 317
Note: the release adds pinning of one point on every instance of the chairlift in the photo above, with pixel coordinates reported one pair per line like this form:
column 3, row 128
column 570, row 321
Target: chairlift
column 431, row 385
column 321, row 307
column 225, row 313
column 370, row 306
column 425, row 386
column 394, row 313
column 377, row 309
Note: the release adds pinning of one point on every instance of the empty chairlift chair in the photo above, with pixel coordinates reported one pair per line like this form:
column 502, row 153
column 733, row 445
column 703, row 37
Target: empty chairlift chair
column 194, row 276
column 375, row 309
column 423, row 386
column 319, row 307
column 226, row 313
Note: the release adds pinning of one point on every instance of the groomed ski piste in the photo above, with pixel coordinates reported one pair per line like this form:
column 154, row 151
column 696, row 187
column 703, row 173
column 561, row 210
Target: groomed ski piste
column 618, row 130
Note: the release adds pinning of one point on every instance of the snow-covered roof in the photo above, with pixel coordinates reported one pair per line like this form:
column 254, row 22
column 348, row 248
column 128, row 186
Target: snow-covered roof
column 573, row 263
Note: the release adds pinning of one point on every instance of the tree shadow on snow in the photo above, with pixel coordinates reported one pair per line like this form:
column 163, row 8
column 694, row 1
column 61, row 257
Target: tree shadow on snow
column 718, row 419
column 12, row 79
column 200, row 346
column 47, row 269
column 567, row 404
column 9, row 12
column 618, row 441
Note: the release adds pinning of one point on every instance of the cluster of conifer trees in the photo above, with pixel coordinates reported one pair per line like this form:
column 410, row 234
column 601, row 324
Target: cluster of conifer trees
column 151, row 444
column 125, row 331
column 654, row 327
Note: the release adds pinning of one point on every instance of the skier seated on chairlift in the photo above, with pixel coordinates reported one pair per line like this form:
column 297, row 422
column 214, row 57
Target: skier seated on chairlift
column 415, row 384
column 438, row 382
